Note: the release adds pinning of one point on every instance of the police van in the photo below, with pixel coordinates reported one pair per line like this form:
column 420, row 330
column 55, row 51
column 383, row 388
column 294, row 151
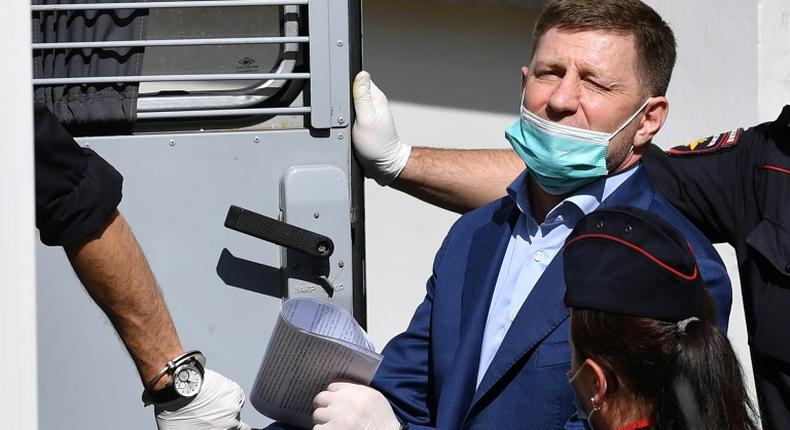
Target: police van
column 209, row 109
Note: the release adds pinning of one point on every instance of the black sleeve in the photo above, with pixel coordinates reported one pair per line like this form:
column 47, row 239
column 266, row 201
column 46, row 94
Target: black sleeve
column 76, row 190
column 719, row 182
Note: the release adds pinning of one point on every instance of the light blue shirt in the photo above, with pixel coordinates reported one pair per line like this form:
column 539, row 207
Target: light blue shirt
column 531, row 249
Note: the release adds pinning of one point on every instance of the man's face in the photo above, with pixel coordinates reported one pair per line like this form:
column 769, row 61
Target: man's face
column 587, row 79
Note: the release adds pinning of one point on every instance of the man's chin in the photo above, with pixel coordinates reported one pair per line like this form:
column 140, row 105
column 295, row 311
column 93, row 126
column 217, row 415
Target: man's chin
column 630, row 162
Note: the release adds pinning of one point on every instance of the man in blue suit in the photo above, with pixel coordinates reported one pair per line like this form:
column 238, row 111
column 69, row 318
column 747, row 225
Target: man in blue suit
column 488, row 347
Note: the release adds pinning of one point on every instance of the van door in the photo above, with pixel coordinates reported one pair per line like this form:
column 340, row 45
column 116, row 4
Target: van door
column 235, row 103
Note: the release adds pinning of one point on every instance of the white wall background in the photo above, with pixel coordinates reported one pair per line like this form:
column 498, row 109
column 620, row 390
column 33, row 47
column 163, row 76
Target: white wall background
column 451, row 73
column 18, row 394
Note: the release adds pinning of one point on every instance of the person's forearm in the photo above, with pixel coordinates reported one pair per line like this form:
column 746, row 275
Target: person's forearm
column 116, row 274
column 456, row 179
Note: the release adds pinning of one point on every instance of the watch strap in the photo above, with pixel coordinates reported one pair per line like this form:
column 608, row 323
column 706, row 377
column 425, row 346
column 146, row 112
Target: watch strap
column 167, row 398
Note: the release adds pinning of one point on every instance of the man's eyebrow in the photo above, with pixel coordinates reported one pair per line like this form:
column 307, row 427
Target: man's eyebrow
column 589, row 70
column 585, row 70
column 549, row 64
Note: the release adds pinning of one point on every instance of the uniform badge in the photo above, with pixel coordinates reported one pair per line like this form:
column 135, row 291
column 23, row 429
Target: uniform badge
column 708, row 144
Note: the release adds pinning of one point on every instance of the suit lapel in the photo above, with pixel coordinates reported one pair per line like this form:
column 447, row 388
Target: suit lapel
column 539, row 315
column 486, row 252
column 636, row 192
column 543, row 310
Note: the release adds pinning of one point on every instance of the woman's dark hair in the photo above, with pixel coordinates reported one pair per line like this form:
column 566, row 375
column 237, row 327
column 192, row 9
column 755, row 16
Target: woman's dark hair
column 654, row 362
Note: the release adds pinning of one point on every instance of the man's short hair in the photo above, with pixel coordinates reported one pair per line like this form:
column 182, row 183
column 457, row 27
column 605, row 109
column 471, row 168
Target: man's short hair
column 654, row 40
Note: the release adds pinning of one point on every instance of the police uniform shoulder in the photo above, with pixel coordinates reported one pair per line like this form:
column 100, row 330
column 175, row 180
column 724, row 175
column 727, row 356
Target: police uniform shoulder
column 708, row 145
column 784, row 117
column 729, row 139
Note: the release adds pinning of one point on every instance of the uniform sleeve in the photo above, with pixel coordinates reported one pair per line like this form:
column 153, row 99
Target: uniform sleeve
column 771, row 170
column 719, row 287
column 76, row 190
column 717, row 182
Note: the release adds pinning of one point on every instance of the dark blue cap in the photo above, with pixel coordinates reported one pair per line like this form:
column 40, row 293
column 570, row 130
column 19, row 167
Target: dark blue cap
column 629, row 261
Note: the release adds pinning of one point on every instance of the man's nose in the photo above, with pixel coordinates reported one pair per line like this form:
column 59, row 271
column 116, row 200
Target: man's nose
column 564, row 100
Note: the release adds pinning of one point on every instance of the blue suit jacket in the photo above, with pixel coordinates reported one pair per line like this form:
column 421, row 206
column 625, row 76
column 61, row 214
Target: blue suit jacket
column 429, row 371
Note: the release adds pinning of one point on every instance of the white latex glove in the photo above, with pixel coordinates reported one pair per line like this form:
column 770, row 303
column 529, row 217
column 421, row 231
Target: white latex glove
column 216, row 407
column 375, row 138
column 346, row 406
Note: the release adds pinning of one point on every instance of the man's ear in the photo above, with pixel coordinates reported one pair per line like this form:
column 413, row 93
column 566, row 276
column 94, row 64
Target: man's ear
column 599, row 382
column 655, row 113
column 524, row 75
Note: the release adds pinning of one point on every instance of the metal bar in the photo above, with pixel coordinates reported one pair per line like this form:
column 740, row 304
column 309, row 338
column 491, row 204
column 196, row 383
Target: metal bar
column 320, row 61
column 223, row 112
column 172, row 42
column 171, row 78
column 340, row 78
column 164, row 5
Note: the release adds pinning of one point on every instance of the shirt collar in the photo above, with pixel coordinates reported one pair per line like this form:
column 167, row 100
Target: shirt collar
column 586, row 198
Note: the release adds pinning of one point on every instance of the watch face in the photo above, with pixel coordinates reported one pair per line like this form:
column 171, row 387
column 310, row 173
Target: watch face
column 187, row 380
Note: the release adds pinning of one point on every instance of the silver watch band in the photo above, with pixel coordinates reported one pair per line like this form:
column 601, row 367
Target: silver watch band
column 169, row 368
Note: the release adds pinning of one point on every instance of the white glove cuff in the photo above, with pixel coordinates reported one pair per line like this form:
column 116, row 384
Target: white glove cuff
column 390, row 166
column 396, row 425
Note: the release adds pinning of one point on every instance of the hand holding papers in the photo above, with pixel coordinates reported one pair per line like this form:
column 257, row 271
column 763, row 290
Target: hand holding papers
column 314, row 343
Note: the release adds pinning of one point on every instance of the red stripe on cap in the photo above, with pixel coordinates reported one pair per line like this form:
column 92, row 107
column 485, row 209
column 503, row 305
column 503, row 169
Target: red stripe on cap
column 776, row 169
column 642, row 251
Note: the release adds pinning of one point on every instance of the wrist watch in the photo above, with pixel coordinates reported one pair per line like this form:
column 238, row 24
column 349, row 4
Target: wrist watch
column 186, row 372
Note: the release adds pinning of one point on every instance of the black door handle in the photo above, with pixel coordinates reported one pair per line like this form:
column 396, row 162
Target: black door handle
column 283, row 234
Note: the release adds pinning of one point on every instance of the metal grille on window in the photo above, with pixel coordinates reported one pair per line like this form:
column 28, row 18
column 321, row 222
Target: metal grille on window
column 221, row 64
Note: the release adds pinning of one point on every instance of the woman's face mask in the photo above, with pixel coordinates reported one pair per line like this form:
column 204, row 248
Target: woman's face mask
column 559, row 157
